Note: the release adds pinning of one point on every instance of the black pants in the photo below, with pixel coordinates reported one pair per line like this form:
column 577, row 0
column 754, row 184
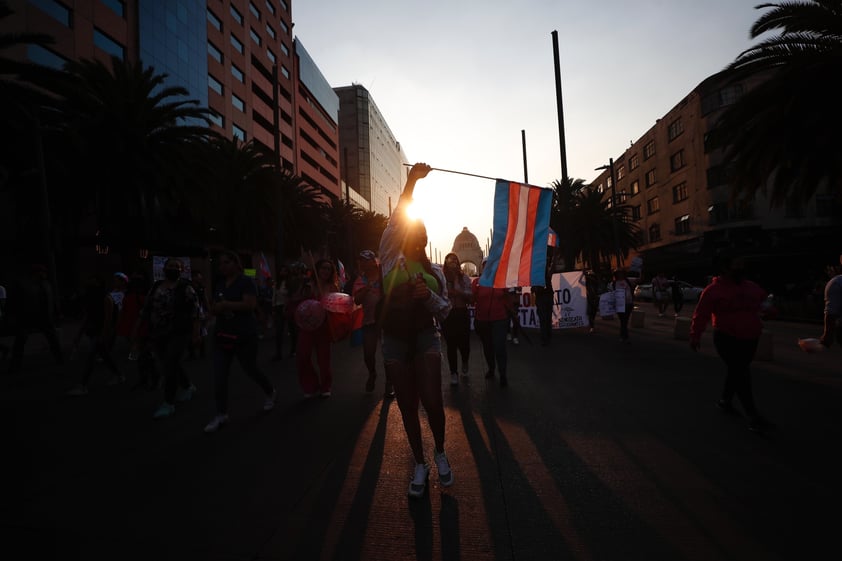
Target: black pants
column 245, row 351
column 102, row 349
column 457, row 336
column 492, row 334
column 737, row 355
column 624, row 322
column 169, row 350
column 21, row 336
column 544, row 307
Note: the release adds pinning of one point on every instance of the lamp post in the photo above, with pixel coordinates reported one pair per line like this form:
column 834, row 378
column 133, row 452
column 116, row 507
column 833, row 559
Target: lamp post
column 610, row 168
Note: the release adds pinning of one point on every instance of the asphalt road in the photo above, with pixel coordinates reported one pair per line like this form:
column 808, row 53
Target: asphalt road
column 597, row 450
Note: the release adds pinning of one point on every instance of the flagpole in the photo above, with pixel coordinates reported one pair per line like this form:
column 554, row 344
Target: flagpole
column 477, row 175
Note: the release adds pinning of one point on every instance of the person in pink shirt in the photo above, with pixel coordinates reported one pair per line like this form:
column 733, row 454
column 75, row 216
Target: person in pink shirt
column 733, row 304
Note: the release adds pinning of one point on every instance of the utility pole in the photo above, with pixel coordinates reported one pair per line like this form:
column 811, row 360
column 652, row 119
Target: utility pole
column 562, row 143
column 610, row 167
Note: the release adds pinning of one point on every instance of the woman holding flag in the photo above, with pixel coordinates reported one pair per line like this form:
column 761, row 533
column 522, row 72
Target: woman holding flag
column 415, row 295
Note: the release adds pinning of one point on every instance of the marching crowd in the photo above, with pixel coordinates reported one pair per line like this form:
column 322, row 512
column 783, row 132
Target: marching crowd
column 398, row 307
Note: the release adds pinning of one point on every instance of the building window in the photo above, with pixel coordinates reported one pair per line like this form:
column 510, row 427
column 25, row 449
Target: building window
column 679, row 192
column 622, row 197
column 55, row 10
column 214, row 84
column 270, row 7
column 271, row 55
column 284, row 27
column 238, row 103
column 653, row 205
column 216, row 118
column 238, row 17
column 621, row 172
column 654, row 233
column 254, row 36
column 675, row 129
column 649, row 150
column 634, row 162
column 239, row 133
column 284, row 6
column 682, row 224
column 677, row 161
column 270, row 31
column 635, row 187
column 721, row 98
column 237, row 45
column 254, row 11
column 284, row 48
column 45, row 57
column 635, row 212
column 215, row 53
column 238, row 74
column 650, row 178
column 108, row 44
column 285, row 72
column 215, row 21
column 118, row 6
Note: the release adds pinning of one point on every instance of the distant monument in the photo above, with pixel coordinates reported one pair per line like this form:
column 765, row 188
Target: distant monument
column 468, row 249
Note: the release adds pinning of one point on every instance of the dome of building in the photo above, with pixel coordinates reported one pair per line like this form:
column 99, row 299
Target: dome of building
column 467, row 247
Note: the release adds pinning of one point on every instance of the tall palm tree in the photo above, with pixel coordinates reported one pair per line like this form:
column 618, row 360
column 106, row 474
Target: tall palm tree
column 588, row 226
column 249, row 204
column 124, row 138
column 782, row 137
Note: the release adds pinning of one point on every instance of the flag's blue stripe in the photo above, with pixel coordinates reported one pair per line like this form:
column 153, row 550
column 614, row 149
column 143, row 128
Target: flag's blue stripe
column 498, row 240
column 542, row 231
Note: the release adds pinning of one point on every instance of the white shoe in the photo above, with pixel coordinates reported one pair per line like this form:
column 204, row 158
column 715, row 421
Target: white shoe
column 443, row 467
column 454, row 379
column 216, row 423
column 269, row 404
column 515, row 341
column 508, row 337
column 185, row 394
column 419, row 481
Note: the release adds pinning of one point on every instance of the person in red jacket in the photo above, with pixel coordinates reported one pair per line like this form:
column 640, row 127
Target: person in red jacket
column 734, row 305
column 492, row 310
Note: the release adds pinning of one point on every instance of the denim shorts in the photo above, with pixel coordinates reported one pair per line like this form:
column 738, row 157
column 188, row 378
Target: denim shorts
column 395, row 349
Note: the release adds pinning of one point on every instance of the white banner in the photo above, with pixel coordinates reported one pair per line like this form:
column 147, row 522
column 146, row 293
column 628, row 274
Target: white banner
column 570, row 303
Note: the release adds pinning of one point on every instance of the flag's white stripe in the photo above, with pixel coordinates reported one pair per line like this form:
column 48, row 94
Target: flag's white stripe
column 519, row 235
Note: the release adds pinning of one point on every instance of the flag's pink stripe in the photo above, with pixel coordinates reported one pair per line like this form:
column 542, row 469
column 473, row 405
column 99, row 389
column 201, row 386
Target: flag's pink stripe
column 525, row 269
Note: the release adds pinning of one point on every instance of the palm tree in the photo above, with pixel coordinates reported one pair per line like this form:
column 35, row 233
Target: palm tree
column 782, row 137
column 586, row 222
column 124, row 138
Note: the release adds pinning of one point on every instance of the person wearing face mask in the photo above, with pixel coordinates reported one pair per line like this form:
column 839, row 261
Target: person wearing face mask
column 171, row 311
column 734, row 306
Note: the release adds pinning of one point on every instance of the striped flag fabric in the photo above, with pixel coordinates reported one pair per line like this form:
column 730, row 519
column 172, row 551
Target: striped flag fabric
column 518, row 254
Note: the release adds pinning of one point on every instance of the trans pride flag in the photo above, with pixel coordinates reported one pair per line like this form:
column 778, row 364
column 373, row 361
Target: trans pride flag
column 518, row 255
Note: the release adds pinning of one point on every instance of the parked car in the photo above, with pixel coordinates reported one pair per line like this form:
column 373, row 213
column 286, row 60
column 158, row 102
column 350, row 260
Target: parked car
column 691, row 293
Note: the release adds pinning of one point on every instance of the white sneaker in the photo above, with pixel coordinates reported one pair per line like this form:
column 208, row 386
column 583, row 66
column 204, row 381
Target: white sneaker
column 164, row 410
column 269, row 404
column 419, row 481
column 78, row 390
column 185, row 394
column 216, row 423
column 515, row 341
column 454, row 379
column 508, row 336
column 443, row 467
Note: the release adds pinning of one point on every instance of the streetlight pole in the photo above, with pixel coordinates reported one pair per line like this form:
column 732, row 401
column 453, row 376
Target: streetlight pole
column 610, row 168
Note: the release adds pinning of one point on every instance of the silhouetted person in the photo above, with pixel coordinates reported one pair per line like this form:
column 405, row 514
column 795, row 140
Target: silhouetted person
column 32, row 308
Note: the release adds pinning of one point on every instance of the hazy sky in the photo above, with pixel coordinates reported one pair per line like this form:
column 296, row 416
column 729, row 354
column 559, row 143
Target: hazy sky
column 457, row 81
